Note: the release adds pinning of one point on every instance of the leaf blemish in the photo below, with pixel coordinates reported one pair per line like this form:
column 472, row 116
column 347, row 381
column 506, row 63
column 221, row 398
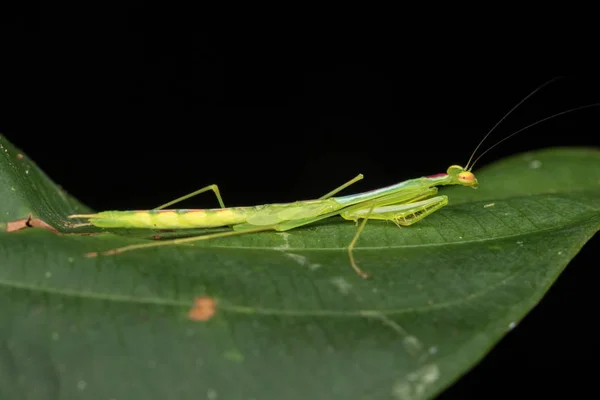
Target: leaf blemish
column 81, row 385
column 535, row 164
column 302, row 260
column 285, row 236
column 203, row 309
column 342, row 284
column 74, row 226
column 414, row 384
column 489, row 205
column 211, row 394
column 234, row 355
column 412, row 345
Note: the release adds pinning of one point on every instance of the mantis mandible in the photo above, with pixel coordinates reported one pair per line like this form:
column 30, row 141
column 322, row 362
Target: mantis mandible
column 404, row 203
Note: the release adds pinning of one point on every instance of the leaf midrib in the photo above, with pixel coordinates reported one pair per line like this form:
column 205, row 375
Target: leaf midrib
column 239, row 309
column 572, row 222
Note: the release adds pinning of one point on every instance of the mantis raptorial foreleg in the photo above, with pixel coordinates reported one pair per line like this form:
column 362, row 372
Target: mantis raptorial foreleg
column 383, row 208
column 401, row 214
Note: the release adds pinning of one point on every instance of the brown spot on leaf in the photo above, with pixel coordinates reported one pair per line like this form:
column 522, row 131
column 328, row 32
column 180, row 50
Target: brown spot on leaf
column 20, row 156
column 157, row 237
column 203, row 309
column 29, row 222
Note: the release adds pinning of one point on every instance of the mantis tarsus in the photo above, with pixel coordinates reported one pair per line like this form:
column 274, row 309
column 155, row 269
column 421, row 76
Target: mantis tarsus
column 403, row 203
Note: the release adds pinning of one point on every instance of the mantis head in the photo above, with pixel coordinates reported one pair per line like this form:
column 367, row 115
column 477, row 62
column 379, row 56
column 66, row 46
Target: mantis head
column 460, row 176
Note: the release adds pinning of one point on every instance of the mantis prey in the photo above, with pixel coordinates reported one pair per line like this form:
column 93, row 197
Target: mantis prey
column 404, row 203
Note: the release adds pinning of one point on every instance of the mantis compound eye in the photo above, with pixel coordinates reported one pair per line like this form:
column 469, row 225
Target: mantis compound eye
column 466, row 177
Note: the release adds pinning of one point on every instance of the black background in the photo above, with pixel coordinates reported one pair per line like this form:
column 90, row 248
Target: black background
column 131, row 108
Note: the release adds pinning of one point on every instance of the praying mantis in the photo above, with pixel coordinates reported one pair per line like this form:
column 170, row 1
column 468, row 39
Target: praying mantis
column 403, row 203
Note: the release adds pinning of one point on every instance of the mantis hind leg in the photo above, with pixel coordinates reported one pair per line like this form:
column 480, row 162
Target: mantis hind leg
column 179, row 241
column 239, row 229
column 213, row 187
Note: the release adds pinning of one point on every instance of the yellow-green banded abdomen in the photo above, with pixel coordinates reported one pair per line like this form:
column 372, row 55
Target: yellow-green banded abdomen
column 171, row 219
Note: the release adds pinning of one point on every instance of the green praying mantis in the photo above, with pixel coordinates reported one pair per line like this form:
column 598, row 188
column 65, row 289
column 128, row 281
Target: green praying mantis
column 403, row 203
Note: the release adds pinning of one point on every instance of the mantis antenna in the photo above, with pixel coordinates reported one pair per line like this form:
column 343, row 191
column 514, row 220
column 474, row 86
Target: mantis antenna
column 531, row 125
column 504, row 117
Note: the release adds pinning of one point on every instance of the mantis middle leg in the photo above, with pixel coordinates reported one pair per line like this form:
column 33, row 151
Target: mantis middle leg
column 215, row 189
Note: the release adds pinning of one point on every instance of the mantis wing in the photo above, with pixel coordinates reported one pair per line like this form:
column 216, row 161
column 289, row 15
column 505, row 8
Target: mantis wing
column 275, row 213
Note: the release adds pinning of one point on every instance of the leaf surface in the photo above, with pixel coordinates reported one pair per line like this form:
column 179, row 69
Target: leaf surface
column 290, row 318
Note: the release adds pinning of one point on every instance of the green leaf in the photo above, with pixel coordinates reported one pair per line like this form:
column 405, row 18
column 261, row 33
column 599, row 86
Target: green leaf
column 292, row 319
